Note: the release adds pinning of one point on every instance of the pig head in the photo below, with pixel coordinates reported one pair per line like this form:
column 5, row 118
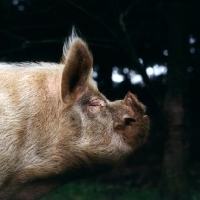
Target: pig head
column 56, row 125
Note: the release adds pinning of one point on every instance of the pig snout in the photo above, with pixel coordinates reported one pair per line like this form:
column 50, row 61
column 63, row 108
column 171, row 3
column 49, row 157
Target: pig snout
column 132, row 123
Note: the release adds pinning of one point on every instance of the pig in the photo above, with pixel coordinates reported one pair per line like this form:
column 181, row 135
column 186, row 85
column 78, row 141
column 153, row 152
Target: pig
column 55, row 126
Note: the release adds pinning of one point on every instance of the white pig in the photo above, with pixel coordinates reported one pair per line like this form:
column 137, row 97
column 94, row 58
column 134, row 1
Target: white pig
column 56, row 126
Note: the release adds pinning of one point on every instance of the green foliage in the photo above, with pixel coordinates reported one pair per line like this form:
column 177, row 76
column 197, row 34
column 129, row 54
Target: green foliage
column 91, row 191
column 84, row 190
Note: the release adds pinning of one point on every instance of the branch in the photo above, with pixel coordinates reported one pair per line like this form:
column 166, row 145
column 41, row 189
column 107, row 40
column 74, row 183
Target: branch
column 46, row 9
column 102, row 45
column 92, row 16
column 130, row 51
column 13, row 35
column 101, row 42
column 56, row 41
column 12, row 50
column 27, row 43
column 126, row 46
column 122, row 15
column 43, row 26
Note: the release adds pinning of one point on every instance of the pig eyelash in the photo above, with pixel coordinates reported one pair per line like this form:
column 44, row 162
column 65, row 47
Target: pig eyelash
column 97, row 102
column 95, row 105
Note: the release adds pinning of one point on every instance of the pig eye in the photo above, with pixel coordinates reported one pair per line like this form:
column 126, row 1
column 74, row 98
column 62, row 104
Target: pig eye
column 95, row 105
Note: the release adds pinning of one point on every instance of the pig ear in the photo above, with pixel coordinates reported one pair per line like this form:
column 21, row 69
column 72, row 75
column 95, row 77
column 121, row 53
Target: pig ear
column 77, row 61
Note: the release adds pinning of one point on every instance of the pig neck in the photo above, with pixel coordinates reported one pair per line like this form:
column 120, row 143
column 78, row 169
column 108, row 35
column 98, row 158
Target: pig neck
column 45, row 142
column 33, row 137
column 40, row 151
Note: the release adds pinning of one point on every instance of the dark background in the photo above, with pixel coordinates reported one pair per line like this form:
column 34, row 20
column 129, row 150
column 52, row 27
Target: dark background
column 118, row 34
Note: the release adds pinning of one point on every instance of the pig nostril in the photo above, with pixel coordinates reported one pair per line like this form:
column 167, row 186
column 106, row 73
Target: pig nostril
column 129, row 121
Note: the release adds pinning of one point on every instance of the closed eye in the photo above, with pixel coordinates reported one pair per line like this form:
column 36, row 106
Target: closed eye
column 97, row 102
column 95, row 105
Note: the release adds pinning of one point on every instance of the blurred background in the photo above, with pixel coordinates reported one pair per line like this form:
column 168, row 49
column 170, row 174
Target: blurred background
column 150, row 48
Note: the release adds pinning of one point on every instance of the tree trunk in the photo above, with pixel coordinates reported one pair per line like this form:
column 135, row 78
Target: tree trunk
column 174, row 182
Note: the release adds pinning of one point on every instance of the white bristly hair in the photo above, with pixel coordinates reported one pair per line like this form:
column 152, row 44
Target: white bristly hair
column 68, row 43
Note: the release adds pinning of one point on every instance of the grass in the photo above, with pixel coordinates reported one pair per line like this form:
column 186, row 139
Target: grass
column 94, row 191
column 84, row 190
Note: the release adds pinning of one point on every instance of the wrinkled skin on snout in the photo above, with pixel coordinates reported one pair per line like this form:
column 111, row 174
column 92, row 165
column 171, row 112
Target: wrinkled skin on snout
column 56, row 126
